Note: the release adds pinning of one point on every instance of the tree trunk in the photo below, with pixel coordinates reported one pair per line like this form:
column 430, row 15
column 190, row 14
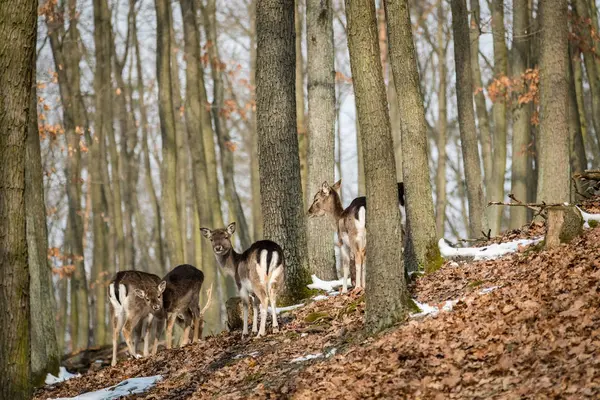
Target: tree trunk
column 442, row 126
column 168, row 134
column 496, row 189
column 466, row 118
column 553, row 156
column 521, row 114
column 18, row 28
column 227, row 163
column 280, row 182
column 193, row 118
column 321, row 125
column 44, row 349
column 385, row 286
column 576, row 147
column 480, row 105
column 362, row 189
column 422, row 240
column 303, row 138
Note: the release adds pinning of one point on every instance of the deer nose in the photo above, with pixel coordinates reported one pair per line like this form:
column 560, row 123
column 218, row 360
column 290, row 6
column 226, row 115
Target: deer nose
column 156, row 307
column 219, row 248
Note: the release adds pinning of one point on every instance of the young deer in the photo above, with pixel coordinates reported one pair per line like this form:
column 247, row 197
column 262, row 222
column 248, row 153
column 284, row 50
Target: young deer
column 258, row 271
column 352, row 236
column 135, row 297
column 181, row 302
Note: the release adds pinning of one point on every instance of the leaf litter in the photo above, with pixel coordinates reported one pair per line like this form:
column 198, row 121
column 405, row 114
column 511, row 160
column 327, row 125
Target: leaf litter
column 525, row 326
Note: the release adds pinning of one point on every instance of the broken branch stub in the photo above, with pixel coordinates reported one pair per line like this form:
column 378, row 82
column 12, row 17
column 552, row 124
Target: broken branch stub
column 564, row 223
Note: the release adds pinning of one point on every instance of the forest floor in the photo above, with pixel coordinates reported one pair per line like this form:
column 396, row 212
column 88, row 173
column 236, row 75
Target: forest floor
column 523, row 326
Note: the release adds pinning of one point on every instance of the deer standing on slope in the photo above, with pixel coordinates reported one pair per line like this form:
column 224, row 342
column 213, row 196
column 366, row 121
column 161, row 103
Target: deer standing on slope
column 134, row 296
column 351, row 224
column 258, row 271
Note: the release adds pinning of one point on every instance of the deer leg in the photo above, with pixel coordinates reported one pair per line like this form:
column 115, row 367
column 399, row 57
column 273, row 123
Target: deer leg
column 245, row 306
column 358, row 262
column 158, row 329
column 128, row 328
column 264, row 304
column 254, row 315
column 149, row 334
column 273, row 301
column 198, row 322
column 117, row 323
column 137, row 333
column 346, row 267
column 170, row 322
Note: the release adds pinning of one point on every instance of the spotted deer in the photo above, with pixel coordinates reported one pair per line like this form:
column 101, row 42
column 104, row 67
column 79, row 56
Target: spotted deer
column 351, row 222
column 259, row 273
column 135, row 298
column 181, row 303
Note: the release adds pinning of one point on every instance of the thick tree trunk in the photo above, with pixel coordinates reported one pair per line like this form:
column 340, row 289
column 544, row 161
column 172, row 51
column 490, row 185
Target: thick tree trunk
column 279, row 163
column 321, row 128
column 193, row 117
column 521, row 114
column 423, row 253
column 480, row 106
column 168, row 134
column 44, row 349
column 466, row 118
column 496, row 189
column 442, row 126
column 553, row 156
column 385, row 286
column 18, row 28
column 303, row 138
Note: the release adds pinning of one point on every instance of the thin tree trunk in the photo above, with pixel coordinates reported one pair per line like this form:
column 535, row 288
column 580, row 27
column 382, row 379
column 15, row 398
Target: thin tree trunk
column 193, row 118
column 385, row 285
column 303, row 139
column 44, row 349
column 554, row 177
column 466, row 118
column 321, row 128
column 422, row 249
column 442, row 125
column 480, row 105
column 280, row 182
column 496, row 188
column 168, row 134
column 521, row 114
column 18, row 28
column 576, row 147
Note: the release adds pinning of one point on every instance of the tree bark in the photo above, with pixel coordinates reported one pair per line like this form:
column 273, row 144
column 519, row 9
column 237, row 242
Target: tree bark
column 466, row 118
column 442, row 125
column 168, row 134
column 44, row 349
column 279, row 163
column 553, row 156
column 321, row 128
column 18, row 28
column 521, row 114
column 303, row 139
column 385, row 285
column 480, row 105
column 193, row 118
column 496, row 188
column 576, row 147
column 422, row 250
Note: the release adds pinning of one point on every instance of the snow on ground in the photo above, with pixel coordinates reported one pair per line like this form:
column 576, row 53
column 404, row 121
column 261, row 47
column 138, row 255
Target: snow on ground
column 587, row 217
column 488, row 289
column 427, row 309
column 328, row 354
column 125, row 388
column 484, row 253
column 327, row 286
column 63, row 375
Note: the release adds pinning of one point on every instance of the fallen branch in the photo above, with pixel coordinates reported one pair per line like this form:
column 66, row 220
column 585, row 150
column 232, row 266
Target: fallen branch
column 591, row 175
column 209, row 299
column 539, row 208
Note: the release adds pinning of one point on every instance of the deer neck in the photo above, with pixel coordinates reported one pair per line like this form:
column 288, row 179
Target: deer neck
column 338, row 209
column 230, row 261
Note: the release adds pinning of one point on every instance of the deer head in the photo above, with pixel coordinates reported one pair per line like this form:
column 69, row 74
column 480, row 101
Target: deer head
column 152, row 296
column 325, row 200
column 220, row 238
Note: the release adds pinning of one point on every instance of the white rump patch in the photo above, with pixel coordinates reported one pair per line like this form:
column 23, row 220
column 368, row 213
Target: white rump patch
column 274, row 261
column 261, row 267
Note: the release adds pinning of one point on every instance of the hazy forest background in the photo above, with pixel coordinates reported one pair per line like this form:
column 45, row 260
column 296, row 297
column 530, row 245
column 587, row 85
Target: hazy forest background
column 127, row 185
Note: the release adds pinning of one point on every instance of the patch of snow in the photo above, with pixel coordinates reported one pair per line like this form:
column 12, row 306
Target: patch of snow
column 426, row 309
column 320, row 297
column 125, row 388
column 253, row 355
column 63, row 375
column 306, row 358
column 587, row 217
column 303, row 334
column 327, row 286
column 484, row 253
column 331, row 352
column 488, row 289
column 279, row 310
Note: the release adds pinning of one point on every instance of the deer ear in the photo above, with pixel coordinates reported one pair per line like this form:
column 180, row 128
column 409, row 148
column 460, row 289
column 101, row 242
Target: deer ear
column 161, row 287
column 231, row 228
column 337, row 185
column 206, row 233
column 139, row 293
column 325, row 187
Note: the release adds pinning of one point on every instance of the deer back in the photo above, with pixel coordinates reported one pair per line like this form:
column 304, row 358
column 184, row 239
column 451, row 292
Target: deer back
column 183, row 288
column 260, row 265
column 136, row 292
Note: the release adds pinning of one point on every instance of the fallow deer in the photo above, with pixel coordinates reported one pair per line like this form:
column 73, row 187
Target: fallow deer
column 134, row 296
column 181, row 301
column 259, row 272
column 351, row 221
